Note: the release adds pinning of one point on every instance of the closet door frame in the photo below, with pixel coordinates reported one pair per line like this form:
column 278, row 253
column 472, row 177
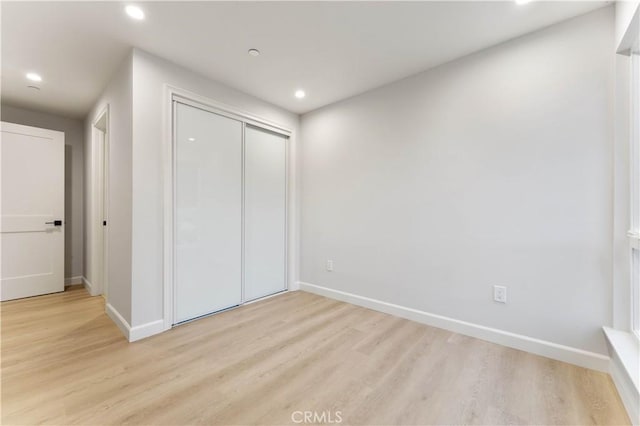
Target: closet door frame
column 175, row 95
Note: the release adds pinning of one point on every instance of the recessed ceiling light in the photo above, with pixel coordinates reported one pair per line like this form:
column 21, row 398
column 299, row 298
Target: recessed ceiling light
column 253, row 52
column 191, row 139
column 33, row 76
column 522, row 1
column 134, row 12
column 300, row 94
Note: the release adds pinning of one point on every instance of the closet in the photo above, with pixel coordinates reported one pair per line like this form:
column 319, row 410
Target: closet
column 230, row 183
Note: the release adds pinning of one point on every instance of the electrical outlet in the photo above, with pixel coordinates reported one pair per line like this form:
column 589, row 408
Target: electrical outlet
column 330, row 265
column 500, row 293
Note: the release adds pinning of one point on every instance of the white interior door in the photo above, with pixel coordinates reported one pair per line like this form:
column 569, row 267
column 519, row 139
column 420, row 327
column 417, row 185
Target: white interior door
column 32, row 211
column 265, row 213
column 208, row 212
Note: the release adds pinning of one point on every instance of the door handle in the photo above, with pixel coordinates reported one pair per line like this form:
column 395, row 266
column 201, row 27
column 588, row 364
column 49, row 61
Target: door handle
column 54, row 223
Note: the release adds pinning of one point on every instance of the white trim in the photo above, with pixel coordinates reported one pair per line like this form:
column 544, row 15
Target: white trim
column 77, row 280
column 624, row 348
column 115, row 316
column 134, row 333
column 99, row 202
column 625, row 389
column 39, row 132
column 106, row 151
column 634, row 185
column 171, row 94
column 198, row 101
column 167, row 235
column 243, row 204
column 287, row 164
column 145, row 330
column 89, row 287
column 544, row 348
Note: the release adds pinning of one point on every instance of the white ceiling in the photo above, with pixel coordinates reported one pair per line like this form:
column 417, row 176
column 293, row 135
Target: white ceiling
column 332, row 50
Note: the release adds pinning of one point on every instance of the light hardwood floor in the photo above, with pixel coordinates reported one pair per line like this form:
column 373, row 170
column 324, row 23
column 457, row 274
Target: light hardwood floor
column 65, row 362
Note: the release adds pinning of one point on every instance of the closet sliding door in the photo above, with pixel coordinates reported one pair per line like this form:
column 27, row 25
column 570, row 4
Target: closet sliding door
column 264, row 213
column 208, row 212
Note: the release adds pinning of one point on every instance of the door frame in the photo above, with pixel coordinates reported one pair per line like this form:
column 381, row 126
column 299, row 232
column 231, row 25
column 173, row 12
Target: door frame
column 171, row 94
column 100, row 204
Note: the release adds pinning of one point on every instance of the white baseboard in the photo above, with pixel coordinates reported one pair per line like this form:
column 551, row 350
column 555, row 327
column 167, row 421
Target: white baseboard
column 139, row 331
column 77, row 280
column 122, row 324
column 89, row 287
column 145, row 330
column 294, row 286
column 544, row 348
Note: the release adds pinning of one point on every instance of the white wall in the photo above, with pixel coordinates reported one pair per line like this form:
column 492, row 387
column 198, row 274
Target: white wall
column 118, row 96
column 150, row 74
column 492, row 169
column 73, row 178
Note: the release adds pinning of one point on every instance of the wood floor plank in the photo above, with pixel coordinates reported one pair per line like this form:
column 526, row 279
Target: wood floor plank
column 65, row 362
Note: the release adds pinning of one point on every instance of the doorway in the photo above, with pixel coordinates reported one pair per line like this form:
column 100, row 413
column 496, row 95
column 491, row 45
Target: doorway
column 99, row 229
